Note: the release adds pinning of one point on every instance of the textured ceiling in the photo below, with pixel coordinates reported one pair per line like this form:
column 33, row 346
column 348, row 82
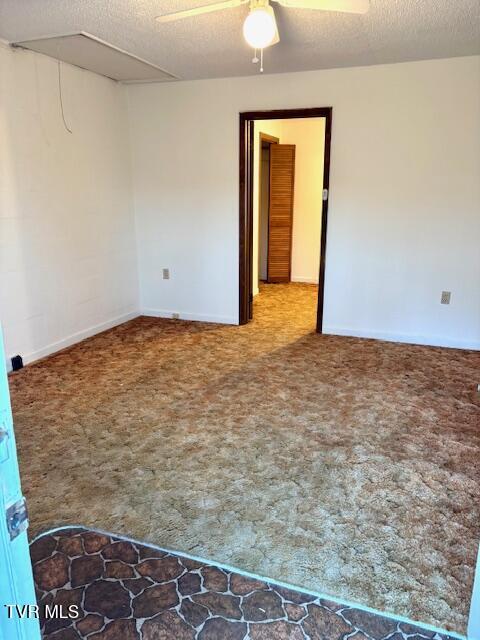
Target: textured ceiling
column 212, row 45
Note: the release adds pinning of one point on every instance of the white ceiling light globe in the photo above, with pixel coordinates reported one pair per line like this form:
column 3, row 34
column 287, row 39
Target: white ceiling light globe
column 259, row 28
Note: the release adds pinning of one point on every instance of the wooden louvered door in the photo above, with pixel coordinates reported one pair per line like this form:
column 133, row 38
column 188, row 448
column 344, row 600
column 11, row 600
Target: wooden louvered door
column 280, row 222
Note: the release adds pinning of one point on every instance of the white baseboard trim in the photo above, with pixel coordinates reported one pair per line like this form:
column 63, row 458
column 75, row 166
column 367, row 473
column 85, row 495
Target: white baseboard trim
column 408, row 338
column 304, row 280
column 74, row 338
column 196, row 317
column 434, row 341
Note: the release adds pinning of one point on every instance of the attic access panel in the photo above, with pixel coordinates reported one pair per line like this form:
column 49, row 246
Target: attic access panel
column 88, row 52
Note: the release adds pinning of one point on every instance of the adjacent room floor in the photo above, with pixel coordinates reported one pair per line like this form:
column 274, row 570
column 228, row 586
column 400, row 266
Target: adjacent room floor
column 345, row 466
column 128, row 591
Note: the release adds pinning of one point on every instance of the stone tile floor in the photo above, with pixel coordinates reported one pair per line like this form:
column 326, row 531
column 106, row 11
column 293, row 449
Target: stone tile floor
column 130, row 591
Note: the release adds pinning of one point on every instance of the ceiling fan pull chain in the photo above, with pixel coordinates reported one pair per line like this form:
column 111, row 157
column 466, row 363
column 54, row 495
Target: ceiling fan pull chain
column 261, row 60
column 255, row 58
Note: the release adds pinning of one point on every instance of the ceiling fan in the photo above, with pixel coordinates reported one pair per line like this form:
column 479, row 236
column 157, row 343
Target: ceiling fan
column 260, row 27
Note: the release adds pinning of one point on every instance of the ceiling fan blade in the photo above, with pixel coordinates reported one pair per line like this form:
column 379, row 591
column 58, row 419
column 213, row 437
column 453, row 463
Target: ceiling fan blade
column 207, row 8
column 345, row 6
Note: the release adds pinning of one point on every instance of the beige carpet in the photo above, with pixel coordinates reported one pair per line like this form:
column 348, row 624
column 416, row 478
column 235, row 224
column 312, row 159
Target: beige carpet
column 342, row 465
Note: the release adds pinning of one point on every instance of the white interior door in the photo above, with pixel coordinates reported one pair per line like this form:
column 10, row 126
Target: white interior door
column 16, row 579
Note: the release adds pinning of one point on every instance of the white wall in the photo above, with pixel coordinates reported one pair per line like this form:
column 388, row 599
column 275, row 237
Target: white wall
column 308, row 136
column 67, row 245
column 404, row 220
column 404, row 205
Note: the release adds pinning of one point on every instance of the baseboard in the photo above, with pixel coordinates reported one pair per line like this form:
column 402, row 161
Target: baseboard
column 74, row 338
column 196, row 317
column 408, row 338
column 304, row 280
column 434, row 341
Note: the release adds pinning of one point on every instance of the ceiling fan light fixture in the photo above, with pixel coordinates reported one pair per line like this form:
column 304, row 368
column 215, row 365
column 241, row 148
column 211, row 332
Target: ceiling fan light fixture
column 260, row 27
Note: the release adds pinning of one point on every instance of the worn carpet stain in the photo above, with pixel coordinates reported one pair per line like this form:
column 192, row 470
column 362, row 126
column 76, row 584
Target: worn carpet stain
column 341, row 465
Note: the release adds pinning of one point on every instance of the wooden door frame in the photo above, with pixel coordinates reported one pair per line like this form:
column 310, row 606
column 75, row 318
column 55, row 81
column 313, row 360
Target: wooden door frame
column 247, row 119
column 267, row 139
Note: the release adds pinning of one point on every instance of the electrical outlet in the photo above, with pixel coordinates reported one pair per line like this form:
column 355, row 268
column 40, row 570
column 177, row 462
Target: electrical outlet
column 445, row 299
column 166, row 274
column 176, row 316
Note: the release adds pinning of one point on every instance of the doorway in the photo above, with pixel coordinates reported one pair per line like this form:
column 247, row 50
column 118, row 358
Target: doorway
column 266, row 238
